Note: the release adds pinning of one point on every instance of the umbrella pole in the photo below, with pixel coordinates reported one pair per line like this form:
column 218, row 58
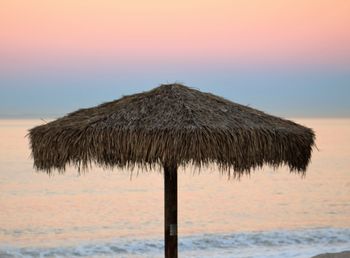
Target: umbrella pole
column 170, row 211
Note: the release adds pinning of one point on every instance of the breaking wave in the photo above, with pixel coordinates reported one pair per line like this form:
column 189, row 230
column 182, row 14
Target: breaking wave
column 262, row 244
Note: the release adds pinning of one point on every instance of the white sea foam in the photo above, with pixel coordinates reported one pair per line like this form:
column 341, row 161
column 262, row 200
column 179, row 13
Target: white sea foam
column 285, row 243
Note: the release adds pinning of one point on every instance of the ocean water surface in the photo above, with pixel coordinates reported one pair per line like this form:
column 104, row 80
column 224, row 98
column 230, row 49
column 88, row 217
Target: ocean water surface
column 103, row 213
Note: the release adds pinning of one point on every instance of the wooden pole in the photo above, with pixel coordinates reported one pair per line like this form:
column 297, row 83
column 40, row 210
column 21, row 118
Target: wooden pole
column 170, row 211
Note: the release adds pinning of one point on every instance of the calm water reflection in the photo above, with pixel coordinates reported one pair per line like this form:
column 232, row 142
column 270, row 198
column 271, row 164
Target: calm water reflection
column 36, row 208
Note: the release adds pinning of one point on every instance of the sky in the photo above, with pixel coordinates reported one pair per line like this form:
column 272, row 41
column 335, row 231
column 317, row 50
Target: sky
column 290, row 58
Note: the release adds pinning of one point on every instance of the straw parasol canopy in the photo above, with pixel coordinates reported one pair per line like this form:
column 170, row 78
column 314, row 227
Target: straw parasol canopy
column 171, row 124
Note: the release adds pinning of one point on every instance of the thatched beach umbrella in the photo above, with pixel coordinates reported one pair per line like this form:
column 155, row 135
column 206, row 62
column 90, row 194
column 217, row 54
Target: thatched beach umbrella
column 170, row 126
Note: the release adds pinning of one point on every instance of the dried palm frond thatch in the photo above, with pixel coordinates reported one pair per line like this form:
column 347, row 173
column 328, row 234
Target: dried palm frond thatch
column 171, row 124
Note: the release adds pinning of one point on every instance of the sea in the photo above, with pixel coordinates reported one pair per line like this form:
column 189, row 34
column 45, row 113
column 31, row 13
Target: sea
column 270, row 213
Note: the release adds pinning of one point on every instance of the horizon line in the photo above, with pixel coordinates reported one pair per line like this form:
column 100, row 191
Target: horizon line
column 56, row 116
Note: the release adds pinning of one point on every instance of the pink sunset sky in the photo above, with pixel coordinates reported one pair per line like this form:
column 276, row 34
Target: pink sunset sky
column 38, row 32
column 288, row 57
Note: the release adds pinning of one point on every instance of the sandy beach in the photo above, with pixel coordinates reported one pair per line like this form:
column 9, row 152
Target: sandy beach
column 345, row 254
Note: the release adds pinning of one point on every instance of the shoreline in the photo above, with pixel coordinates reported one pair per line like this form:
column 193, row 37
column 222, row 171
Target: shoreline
column 344, row 254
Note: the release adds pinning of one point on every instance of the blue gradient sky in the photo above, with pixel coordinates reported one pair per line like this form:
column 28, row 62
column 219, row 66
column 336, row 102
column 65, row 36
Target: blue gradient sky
column 290, row 58
column 282, row 91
